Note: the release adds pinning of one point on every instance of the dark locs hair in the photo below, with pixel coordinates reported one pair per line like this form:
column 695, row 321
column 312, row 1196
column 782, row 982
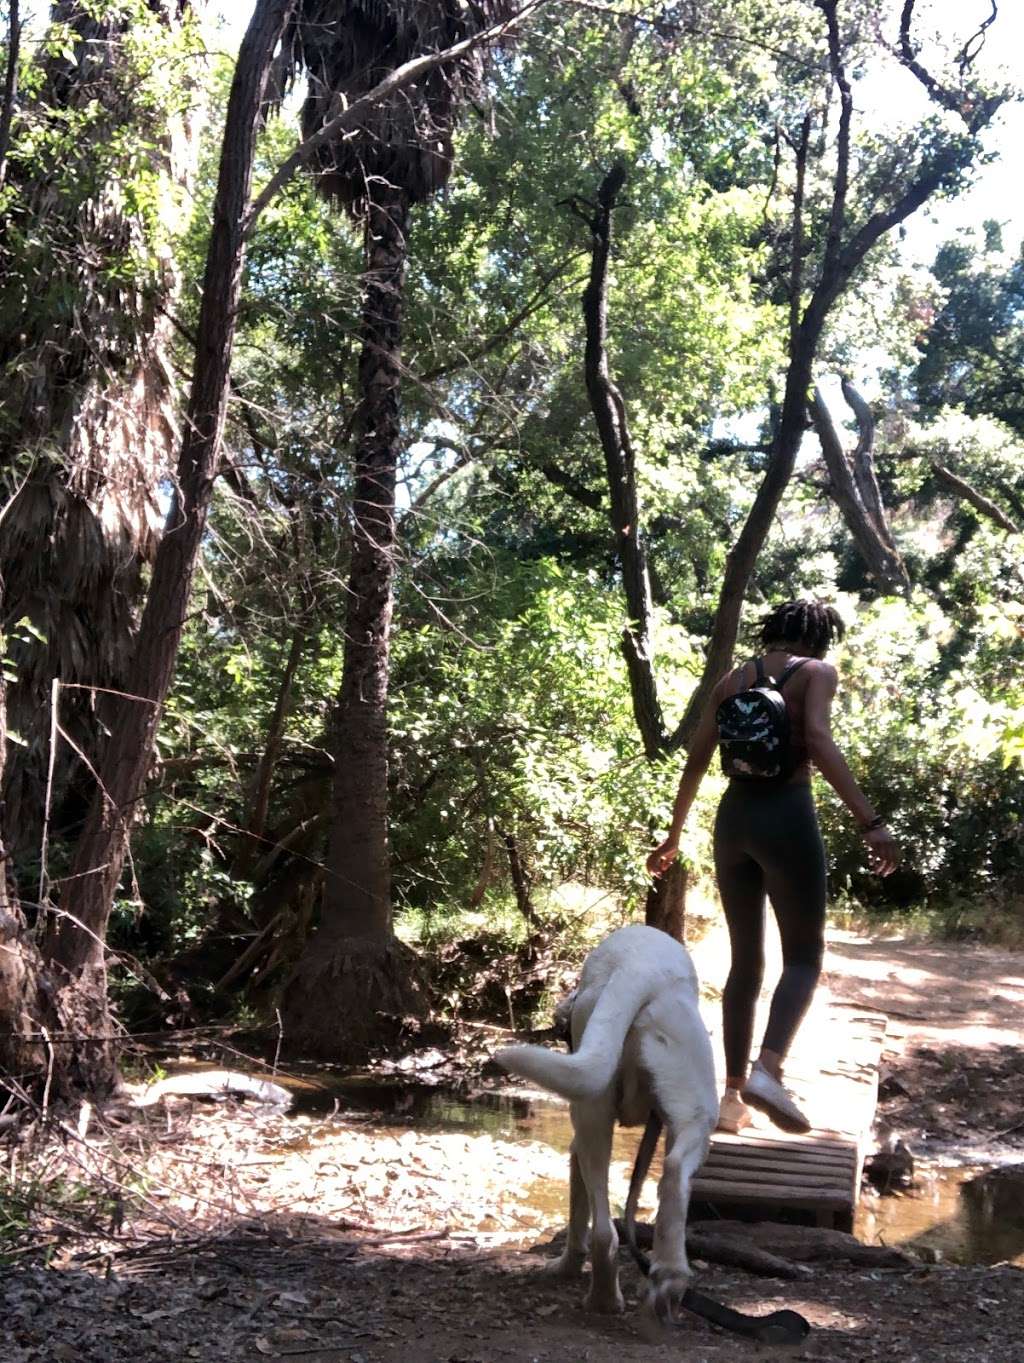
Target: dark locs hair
column 809, row 623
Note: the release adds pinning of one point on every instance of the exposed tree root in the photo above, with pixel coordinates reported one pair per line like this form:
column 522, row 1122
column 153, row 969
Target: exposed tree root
column 355, row 994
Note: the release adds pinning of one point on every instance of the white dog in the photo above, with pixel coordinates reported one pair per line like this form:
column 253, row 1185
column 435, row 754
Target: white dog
column 638, row 1045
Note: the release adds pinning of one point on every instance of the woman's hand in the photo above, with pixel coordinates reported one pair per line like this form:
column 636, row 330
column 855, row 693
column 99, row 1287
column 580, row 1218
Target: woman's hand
column 662, row 857
column 883, row 850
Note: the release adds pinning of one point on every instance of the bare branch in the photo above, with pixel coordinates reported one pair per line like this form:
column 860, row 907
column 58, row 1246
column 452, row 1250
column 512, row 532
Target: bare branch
column 508, row 329
column 972, row 47
column 975, row 110
column 977, row 499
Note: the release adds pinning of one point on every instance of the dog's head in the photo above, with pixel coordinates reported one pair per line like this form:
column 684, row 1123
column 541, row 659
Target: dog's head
column 563, row 1017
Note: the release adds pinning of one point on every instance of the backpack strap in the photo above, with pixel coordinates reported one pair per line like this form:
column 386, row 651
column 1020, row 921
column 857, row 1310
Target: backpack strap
column 793, row 667
column 759, row 674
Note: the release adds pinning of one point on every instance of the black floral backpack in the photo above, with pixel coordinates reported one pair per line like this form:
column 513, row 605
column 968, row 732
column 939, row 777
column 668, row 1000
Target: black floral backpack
column 753, row 728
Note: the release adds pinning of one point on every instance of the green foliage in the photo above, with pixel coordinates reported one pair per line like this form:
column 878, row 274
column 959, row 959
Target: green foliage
column 974, row 349
column 925, row 717
column 524, row 730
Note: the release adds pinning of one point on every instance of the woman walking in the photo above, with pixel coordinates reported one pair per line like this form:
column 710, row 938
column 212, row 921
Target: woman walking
column 767, row 840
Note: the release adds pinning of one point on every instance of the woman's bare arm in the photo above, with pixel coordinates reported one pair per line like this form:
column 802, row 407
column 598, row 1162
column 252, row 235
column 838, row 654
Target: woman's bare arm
column 701, row 751
column 821, row 687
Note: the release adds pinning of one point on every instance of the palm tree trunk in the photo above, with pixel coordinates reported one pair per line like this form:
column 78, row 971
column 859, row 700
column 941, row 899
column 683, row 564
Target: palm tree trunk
column 357, row 898
column 354, row 970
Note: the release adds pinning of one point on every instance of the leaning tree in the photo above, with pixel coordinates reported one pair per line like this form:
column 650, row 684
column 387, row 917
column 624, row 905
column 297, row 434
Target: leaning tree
column 96, row 151
column 354, row 969
column 96, row 147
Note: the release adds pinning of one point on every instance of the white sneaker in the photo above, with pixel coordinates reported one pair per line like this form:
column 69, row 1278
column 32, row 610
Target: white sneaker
column 733, row 1113
column 766, row 1094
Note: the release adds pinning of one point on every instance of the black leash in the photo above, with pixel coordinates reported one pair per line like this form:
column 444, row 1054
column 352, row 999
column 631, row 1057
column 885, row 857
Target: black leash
column 779, row 1327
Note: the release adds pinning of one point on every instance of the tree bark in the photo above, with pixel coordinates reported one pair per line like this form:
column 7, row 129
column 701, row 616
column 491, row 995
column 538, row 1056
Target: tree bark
column 357, row 899
column 882, row 561
column 10, row 93
column 520, row 881
column 864, row 468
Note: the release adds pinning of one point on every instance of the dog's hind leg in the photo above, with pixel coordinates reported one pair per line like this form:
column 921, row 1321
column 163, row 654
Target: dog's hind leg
column 670, row 1269
column 676, row 1055
column 569, row 1263
column 593, row 1123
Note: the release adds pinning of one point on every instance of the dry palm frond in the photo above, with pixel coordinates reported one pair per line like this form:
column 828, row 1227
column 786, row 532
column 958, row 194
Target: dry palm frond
column 345, row 49
column 87, row 400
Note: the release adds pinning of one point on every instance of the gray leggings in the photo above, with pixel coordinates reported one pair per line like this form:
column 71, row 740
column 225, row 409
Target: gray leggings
column 767, row 840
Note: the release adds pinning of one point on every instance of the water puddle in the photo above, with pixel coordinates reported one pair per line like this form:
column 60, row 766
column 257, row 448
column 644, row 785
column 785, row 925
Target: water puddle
column 957, row 1213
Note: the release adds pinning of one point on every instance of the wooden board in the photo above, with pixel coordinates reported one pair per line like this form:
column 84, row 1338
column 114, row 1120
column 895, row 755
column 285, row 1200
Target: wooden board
column 834, row 1077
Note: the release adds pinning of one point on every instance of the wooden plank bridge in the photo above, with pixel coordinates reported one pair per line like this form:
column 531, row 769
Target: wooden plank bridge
column 833, row 1074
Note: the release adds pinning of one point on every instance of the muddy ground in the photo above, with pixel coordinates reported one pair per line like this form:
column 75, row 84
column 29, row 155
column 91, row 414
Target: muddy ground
column 249, row 1234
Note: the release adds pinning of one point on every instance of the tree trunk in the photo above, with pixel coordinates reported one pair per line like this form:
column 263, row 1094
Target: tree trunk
column 665, row 905
column 354, row 971
column 620, row 466
column 10, row 93
column 870, row 535
column 76, row 944
column 87, row 425
column 864, row 470
column 357, row 900
column 742, row 557
column 666, row 899
column 520, row 881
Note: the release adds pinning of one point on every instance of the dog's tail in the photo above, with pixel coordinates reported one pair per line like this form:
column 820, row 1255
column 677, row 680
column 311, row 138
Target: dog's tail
column 591, row 1069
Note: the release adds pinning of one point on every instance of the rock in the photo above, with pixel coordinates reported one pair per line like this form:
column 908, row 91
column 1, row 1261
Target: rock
column 216, row 1084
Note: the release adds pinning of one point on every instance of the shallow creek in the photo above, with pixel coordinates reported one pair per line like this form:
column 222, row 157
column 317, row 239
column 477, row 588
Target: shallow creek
column 943, row 1218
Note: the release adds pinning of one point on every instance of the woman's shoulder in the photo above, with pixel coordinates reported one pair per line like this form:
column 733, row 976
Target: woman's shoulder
column 733, row 680
column 820, row 670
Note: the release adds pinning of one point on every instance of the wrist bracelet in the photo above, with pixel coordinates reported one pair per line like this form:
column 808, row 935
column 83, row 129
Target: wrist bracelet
column 877, row 822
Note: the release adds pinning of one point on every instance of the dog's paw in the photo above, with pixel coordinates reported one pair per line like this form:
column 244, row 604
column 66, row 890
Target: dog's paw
column 665, row 1289
column 566, row 1266
column 605, row 1303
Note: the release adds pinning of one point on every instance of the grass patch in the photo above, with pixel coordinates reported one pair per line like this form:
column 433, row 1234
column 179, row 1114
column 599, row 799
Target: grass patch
column 986, row 922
